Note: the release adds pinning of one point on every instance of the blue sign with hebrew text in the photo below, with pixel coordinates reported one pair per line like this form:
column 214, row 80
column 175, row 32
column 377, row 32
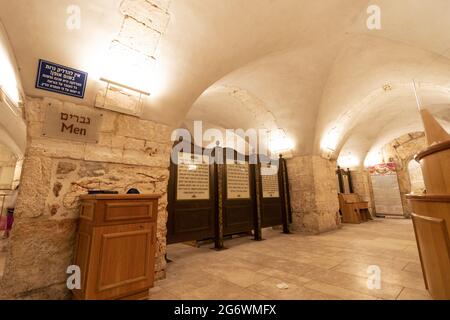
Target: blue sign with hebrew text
column 60, row 79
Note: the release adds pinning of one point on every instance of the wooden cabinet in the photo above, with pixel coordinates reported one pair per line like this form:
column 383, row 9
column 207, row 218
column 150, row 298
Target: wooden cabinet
column 353, row 209
column 115, row 246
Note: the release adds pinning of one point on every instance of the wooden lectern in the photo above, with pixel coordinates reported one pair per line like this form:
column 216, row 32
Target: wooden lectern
column 115, row 246
column 431, row 212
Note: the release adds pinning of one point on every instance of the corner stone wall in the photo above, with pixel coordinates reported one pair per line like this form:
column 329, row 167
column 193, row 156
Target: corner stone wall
column 362, row 185
column 401, row 151
column 130, row 153
column 314, row 200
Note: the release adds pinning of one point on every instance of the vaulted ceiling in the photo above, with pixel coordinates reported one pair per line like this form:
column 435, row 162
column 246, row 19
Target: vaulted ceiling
column 312, row 68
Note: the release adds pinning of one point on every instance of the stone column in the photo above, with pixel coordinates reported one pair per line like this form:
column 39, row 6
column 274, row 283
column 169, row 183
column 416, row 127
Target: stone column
column 363, row 187
column 315, row 206
column 131, row 153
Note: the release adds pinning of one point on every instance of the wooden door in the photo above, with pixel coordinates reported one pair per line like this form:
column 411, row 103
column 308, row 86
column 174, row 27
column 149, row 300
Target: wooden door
column 238, row 195
column 271, row 205
column 122, row 260
column 191, row 216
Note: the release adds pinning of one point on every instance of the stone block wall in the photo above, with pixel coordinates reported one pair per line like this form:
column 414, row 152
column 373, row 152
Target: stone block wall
column 363, row 187
column 135, row 46
column 131, row 153
column 315, row 205
column 401, row 151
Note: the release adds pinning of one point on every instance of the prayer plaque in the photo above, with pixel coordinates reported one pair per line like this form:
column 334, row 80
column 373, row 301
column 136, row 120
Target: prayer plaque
column 238, row 181
column 193, row 177
column 269, row 183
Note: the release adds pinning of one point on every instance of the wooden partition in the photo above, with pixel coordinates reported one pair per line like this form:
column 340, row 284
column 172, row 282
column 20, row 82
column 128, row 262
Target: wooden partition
column 192, row 197
column 238, row 197
column 270, row 194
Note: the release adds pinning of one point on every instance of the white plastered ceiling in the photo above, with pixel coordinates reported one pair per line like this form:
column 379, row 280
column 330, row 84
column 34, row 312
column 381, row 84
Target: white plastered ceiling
column 312, row 68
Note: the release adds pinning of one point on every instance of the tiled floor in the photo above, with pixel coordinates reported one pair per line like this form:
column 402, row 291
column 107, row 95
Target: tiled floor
column 329, row 266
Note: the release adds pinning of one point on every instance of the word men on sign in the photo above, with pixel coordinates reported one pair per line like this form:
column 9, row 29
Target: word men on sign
column 72, row 123
column 64, row 80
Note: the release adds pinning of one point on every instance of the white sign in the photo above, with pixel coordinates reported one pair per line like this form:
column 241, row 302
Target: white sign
column 386, row 190
column 193, row 177
column 270, row 186
column 238, row 181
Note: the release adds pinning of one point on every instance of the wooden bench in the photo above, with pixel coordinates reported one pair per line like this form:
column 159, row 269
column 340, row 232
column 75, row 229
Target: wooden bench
column 353, row 209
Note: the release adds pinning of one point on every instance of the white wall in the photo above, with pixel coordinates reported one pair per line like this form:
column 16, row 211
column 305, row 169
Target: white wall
column 8, row 163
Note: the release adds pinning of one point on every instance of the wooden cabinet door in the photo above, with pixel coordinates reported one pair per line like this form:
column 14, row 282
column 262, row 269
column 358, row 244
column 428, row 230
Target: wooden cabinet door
column 122, row 260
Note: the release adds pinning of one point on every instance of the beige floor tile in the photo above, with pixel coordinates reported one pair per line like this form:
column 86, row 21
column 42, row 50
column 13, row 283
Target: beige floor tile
column 413, row 267
column 285, row 276
column 269, row 288
column 215, row 290
column 158, row 293
column 340, row 292
column 355, row 283
column 389, row 275
column 328, row 266
column 412, row 294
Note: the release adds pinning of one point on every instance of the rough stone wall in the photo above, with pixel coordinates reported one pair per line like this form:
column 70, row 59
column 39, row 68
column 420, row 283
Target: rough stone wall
column 401, row 151
column 363, row 187
column 315, row 205
column 130, row 153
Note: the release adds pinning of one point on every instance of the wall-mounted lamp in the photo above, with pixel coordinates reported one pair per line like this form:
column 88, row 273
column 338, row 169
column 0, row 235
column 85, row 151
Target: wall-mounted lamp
column 114, row 83
column 121, row 98
column 280, row 143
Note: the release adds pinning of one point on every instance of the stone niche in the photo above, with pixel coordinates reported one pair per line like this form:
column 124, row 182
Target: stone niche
column 131, row 153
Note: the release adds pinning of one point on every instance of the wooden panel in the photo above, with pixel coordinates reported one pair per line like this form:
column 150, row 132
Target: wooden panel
column 122, row 210
column 434, row 249
column 82, row 253
column 434, row 206
column 436, row 169
column 237, row 218
column 353, row 209
column 271, row 213
column 192, row 219
column 125, row 260
column 87, row 211
column 238, row 210
column 270, row 208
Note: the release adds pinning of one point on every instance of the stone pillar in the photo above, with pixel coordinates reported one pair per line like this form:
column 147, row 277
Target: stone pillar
column 315, row 205
column 131, row 153
column 363, row 187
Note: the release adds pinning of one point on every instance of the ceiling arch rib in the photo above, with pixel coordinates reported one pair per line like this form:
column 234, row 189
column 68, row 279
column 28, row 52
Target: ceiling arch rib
column 312, row 75
column 375, row 89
